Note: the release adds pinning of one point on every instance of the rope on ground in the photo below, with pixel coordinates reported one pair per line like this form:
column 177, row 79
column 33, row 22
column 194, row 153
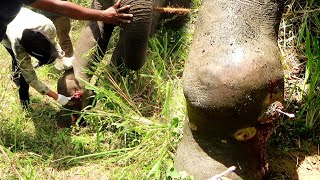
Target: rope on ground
column 224, row 173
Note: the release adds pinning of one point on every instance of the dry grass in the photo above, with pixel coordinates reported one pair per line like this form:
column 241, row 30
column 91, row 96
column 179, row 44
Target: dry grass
column 298, row 137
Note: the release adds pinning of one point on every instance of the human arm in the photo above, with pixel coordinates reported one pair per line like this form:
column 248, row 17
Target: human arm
column 112, row 15
column 52, row 94
column 27, row 71
column 61, row 99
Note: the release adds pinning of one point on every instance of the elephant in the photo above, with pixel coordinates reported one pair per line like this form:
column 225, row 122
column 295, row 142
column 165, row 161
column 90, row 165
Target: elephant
column 232, row 82
column 130, row 50
column 233, row 85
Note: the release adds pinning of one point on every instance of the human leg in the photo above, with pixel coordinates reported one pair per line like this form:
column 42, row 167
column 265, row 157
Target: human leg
column 63, row 27
column 19, row 80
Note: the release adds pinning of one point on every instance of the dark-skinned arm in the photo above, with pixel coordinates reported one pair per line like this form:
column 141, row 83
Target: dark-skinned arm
column 112, row 15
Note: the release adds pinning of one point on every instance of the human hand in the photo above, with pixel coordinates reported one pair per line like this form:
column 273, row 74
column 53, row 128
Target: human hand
column 63, row 100
column 116, row 15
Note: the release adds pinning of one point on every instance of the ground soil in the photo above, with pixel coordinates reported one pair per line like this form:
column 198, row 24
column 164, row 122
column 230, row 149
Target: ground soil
column 294, row 164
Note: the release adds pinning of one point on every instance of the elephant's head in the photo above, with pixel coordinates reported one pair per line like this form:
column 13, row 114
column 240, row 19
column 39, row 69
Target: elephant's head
column 232, row 79
column 69, row 86
column 130, row 50
column 92, row 45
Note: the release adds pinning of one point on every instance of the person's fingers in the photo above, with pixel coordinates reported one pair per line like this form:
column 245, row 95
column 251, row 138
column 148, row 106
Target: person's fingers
column 117, row 4
column 123, row 21
column 124, row 16
column 123, row 9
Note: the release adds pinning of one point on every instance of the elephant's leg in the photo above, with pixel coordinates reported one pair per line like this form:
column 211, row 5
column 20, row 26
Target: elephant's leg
column 232, row 79
column 156, row 15
column 117, row 58
column 90, row 47
column 93, row 42
column 132, row 45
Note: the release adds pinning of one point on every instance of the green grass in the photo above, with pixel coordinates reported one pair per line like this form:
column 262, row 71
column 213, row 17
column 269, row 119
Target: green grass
column 142, row 113
column 299, row 44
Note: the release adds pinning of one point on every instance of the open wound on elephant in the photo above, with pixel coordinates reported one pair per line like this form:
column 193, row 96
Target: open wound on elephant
column 245, row 134
column 173, row 10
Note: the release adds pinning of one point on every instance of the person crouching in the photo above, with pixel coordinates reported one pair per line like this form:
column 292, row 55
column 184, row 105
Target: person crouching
column 32, row 34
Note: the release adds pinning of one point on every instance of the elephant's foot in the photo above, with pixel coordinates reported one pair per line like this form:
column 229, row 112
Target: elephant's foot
column 195, row 161
column 69, row 116
column 206, row 154
column 205, row 158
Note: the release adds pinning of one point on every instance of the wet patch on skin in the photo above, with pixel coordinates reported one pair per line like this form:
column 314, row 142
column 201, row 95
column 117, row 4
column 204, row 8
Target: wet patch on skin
column 76, row 100
column 71, row 116
column 265, row 126
column 76, row 104
column 245, row 133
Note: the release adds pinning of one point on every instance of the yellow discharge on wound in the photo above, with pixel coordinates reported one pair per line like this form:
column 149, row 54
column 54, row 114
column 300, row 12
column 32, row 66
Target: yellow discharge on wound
column 245, row 133
column 193, row 127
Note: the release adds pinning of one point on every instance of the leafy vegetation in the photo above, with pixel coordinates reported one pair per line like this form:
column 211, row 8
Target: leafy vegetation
column 299, row 44
column 295, row 142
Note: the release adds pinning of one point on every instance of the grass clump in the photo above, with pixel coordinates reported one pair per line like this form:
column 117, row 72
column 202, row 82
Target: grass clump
column 299, row 44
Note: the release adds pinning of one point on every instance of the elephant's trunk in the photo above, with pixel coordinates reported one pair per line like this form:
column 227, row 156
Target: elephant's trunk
column 232, row 77
column 132, row 46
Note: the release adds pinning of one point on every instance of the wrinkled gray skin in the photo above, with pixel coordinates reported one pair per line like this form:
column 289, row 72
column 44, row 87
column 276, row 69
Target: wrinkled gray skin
column 232, row 75
column 130, row 50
